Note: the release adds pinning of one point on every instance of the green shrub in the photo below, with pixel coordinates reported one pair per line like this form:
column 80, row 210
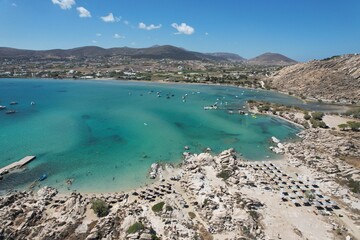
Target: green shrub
column 136, row 227
column 100, row 207
column 322, row 124
column 309, row 195
column 354, row 186
column 343, row 126
column 158, row 207
column 169, row 208
column 355, row 126
column 306, row 125
column 355, row 112
column 192, row 215
column 317, row 115
column 307, row 117
column 314, row 123
column 317, row 123
column 225, row 174
column 254, row 214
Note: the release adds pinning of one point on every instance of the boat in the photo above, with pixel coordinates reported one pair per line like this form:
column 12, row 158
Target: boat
column 2, row 107
column 32, row 103
column 210, row 107
column 10, row 112
column 43, row 177
column 13, row 103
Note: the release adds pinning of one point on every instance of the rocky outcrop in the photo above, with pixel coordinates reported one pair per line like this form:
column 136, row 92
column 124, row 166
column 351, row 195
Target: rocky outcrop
column 336, row 79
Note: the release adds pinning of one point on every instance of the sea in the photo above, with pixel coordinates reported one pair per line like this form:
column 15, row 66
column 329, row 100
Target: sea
column 102, row 136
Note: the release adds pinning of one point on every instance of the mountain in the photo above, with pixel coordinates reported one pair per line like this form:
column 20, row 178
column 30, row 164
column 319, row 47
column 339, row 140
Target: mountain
column 271, row 59
column 336, row 78
column 154, row 52
column 228, row 56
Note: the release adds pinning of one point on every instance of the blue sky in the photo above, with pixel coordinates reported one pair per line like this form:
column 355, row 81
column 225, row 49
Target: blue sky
column 302, row 30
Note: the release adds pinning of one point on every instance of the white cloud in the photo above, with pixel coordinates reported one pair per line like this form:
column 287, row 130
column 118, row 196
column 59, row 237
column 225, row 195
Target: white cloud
column 98, row 34
column 149, row 27
column 14, row 4
column 118, row 36
column 110, row 18
column 94, row 41
column 183, row 28
column 126, row 22
column 206, row 34
column 64, row 4
column 83, row 12
column 133, row 43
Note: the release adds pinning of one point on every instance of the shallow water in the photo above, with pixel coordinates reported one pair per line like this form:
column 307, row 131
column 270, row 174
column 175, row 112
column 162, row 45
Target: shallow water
column 105, row 134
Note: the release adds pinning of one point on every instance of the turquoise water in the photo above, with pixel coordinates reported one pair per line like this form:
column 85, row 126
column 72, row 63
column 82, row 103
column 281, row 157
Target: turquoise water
column 105, row 134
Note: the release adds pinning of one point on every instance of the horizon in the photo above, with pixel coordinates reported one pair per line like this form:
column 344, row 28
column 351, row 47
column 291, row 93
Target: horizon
column 302, row 31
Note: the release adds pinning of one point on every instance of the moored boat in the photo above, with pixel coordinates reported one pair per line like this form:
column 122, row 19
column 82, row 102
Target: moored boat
column 43, row 177
column 2, row 107
column 10, row 112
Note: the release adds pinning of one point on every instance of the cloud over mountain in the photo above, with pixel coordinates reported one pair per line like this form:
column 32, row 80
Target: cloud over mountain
column 183, row 28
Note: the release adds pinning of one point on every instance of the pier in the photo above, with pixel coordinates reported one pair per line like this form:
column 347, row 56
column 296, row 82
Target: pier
column 17, row 164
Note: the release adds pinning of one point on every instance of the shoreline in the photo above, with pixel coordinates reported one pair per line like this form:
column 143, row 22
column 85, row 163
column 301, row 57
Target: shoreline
column 206, row 196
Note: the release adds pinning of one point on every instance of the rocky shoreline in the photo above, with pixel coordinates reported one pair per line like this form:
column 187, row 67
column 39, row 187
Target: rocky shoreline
column 306, row 195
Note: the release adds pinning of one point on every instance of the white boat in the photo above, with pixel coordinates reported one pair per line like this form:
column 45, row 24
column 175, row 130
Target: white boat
column 210, row 107
column 32, row 103
column 2, row 107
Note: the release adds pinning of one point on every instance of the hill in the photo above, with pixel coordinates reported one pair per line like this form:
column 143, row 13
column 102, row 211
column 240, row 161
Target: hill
column 336, row 78
column 155, row 52
column 228, row 56
column 271, row 59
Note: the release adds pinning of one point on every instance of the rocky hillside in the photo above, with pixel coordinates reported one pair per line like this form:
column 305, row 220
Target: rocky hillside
column 273, row 59
column 336, row 79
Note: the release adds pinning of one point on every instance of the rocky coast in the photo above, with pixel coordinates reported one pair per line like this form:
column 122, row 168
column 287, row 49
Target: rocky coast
column 311, row 193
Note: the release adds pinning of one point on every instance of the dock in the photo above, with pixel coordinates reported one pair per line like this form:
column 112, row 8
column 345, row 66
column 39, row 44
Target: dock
column 17, row 164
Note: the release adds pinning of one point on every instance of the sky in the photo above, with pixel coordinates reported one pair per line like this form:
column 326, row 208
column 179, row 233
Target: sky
column 300, row 29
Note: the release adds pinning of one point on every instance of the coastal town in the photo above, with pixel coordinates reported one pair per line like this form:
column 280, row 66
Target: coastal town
column 143, row 69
